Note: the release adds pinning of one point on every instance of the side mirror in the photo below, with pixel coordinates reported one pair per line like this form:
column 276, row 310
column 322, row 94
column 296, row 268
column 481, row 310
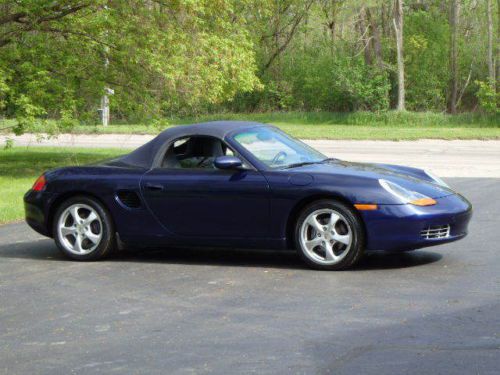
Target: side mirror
column 227, row 162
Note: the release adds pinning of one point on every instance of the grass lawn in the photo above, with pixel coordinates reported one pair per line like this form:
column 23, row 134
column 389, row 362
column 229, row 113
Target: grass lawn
column 20, row 166
column 328, row 125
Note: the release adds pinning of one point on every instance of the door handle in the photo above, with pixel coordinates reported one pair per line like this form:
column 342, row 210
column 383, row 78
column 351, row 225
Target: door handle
column 154, row 187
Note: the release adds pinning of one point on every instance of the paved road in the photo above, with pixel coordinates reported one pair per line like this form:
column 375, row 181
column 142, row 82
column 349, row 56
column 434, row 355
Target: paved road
column 445, row 158
column 198, row 311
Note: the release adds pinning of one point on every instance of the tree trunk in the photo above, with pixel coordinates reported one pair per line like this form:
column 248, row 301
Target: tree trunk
column 454, row 15
column 398, row 29
column 375, row 40
column 491, row 63
column 280, row 47
column 383, row 16
column 365, row 36
column 330, row 10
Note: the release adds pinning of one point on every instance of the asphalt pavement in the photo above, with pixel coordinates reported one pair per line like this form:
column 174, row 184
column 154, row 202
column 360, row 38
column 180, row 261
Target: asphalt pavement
column 173, row 311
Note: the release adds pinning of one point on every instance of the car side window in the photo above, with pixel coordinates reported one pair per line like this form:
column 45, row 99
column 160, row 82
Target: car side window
column 198, row 152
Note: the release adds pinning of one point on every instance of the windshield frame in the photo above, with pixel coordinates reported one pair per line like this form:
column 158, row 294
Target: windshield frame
column 261, row 164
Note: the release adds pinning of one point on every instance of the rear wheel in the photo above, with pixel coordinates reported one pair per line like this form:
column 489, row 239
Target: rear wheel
column 329, row 235
column 83, row 229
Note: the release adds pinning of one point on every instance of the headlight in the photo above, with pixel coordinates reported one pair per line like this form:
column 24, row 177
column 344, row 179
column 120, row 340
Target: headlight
column 405, row 195
column 437, row 179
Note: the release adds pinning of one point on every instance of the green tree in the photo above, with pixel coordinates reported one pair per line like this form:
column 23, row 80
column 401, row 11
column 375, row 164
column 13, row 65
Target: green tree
column 164, row 56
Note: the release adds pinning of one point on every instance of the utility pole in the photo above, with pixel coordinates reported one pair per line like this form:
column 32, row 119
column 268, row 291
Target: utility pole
column 398, row 30
column 105, row 105
column 107, row 91
column 491, row 61
column 454, row 20
column 105, row 97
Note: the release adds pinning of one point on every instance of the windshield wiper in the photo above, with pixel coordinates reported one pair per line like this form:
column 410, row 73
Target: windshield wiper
column 302, row 163
column 295, row 165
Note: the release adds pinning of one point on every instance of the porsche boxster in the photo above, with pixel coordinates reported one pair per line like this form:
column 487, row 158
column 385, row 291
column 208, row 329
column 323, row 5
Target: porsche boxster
column 243, row 185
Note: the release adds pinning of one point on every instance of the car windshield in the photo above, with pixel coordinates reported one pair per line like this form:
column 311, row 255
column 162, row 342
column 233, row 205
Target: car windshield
column 277, row 149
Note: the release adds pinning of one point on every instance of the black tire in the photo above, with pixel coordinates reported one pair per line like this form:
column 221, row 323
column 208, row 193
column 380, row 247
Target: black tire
column 107, row 242
column 352, row 219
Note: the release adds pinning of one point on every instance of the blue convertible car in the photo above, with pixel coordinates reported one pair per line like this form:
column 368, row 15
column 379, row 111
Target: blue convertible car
column 243, row 185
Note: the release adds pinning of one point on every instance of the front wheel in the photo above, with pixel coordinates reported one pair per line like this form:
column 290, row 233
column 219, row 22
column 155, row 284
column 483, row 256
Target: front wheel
column 329, row 235
column 83, row 229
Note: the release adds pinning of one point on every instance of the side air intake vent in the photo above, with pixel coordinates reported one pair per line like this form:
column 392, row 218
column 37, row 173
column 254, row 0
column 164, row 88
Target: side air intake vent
column 129, row 198
column 436, row 231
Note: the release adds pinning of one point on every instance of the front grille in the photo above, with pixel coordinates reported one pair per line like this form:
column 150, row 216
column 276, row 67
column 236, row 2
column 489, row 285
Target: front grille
column 129, row 198
column 436, row 231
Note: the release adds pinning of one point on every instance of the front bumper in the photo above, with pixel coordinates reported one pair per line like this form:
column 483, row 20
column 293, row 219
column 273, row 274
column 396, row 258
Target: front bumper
column 398, row 227
column 36, row 211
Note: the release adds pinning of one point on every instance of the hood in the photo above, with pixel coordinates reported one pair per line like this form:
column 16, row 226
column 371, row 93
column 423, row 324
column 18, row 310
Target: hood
column 410, row 178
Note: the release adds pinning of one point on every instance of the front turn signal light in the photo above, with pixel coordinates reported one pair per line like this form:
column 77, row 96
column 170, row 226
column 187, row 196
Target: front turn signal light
column 39, row 184
column 423, row 202
column 366, row 207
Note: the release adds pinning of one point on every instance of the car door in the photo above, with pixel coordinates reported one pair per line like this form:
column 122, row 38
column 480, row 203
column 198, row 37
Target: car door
column 208, row 202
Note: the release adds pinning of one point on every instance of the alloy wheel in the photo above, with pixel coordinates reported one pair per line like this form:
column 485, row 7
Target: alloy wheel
column 80, row 229
column 325, row 236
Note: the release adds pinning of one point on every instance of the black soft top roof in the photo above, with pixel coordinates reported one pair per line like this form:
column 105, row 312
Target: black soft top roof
column 144, row 155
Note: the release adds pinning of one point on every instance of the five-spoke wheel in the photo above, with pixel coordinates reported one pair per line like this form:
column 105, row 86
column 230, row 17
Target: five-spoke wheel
column 83, row 229
column 80, row 229
column 329, row 235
